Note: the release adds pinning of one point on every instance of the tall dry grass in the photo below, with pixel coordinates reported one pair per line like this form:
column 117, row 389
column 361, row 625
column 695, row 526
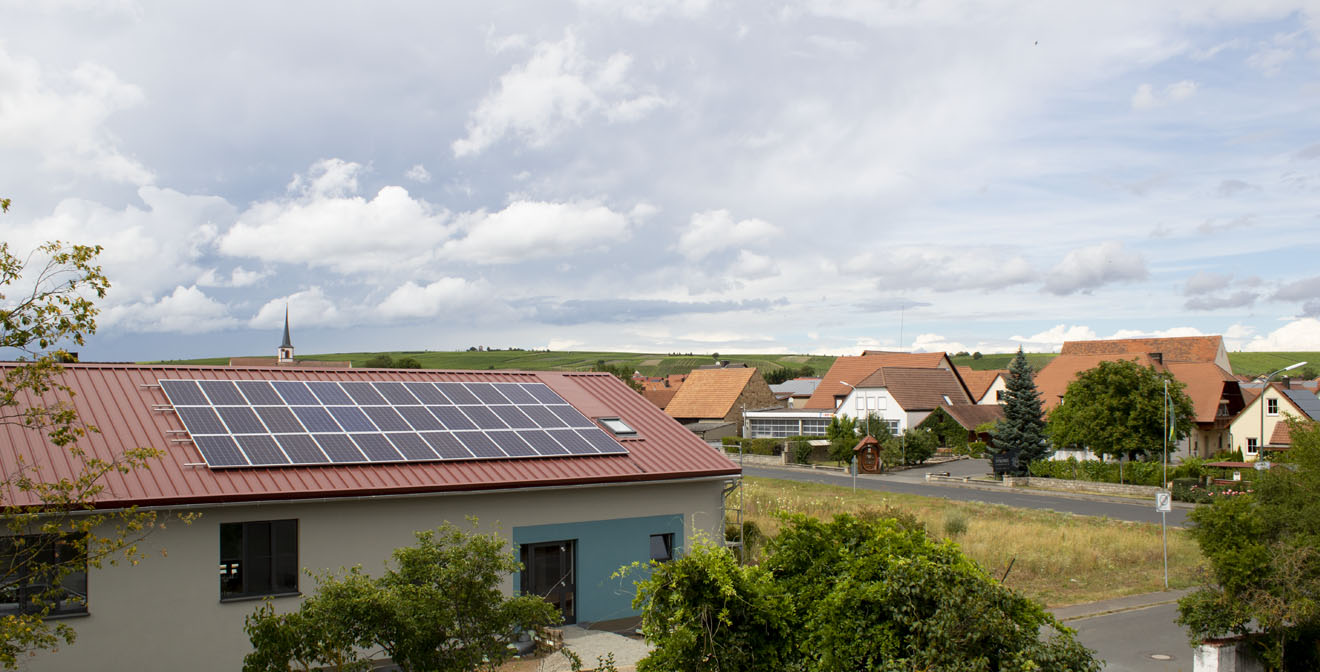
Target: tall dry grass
column 1057, row 558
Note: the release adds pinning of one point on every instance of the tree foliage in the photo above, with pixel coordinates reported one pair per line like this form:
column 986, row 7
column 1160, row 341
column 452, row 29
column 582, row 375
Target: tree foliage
column 1264, row 561
column 53, row 528
column 1022, row 431
column 842, row 433
column 388, row 362
column 620, row 372
column 854, row 593
column 784, row 373
column 1117, row 409
column 437, row 609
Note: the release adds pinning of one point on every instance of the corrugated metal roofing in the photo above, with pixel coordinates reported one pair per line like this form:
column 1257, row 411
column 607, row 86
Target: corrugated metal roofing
column 122, row 402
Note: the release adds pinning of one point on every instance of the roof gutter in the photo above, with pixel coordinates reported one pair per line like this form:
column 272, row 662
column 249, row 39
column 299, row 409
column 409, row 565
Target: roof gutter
column 402, row 495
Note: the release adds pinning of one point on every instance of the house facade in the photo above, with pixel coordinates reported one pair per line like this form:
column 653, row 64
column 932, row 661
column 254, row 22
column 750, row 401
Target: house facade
column 1267, row 415
column 903, row 397
column 574, row 510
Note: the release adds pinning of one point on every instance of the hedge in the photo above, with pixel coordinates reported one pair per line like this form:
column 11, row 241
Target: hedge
column 752, row 446
column 1134, row 473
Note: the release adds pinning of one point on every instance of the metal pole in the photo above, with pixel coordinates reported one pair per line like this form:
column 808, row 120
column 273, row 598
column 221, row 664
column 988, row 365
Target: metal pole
column 1164, row 528
column 854, row 470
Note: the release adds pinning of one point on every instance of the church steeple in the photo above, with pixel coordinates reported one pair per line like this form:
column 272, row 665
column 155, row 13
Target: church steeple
column 284, row 353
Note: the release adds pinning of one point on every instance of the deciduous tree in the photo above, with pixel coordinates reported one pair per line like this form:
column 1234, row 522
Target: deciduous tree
column 1264, row 562
column 437, row 609
column 53, row 530
column 1117, row 409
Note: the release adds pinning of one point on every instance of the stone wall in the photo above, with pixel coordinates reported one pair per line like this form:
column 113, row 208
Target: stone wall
column 1090, row 487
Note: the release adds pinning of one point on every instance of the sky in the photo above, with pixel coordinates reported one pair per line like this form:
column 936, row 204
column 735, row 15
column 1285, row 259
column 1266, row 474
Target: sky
column 801, row 176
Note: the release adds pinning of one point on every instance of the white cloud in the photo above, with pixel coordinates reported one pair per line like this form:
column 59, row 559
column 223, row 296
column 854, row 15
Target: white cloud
column 1206, row 281
column 941, row 268
column 187, row 310
column 59, row 119
column 1051, row 339
column 557, row 89
column 531, row 229
column 1302, row 335
column 646, row 11
column 238, row 277
column 1173, row 332
column 323, row 225
column 411, row 301
column 146, row 251
column 1146, row 97
column 752, row 266
column 715, row 230
column 1089, row 268
column 418, row 173
column 1270, row 57
column 307, row 308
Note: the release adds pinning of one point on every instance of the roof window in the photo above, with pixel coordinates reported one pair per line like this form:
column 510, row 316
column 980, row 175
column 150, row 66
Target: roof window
column 617, row 426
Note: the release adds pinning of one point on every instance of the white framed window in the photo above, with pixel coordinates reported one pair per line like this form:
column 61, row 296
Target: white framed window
column 1251, row 445
column 1271, row 407
column 861, row 403
column 893, row 427
column 870, row 402
column 619, row 427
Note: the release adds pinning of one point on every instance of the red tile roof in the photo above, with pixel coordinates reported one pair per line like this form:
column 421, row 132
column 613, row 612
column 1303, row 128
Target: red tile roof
column 122, row 401
column 1178, row 349
column 918, row 389
column 978, row 382
column 709, row 393
column 854, row 369
column 971, row 416
column 1203, row 384
column 1052, row 381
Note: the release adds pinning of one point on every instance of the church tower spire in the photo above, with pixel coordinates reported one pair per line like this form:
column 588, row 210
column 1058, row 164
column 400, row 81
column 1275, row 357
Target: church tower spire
column 284, row 354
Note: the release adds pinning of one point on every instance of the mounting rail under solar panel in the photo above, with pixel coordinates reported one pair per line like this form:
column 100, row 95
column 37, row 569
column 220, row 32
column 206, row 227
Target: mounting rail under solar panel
column 271, row 423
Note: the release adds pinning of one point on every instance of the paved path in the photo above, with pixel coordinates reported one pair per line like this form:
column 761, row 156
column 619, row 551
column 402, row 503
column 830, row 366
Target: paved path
column 913, row 482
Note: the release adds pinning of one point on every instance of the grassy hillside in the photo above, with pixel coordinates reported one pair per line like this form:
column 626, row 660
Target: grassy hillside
column 649, row 364
column 1248, row 363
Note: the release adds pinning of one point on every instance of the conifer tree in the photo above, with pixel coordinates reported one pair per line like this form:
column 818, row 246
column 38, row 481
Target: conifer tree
column 1023, row 428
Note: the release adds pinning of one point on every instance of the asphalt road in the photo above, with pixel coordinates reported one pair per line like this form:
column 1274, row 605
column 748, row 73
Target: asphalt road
column 1142, row 640
column 1136, row 511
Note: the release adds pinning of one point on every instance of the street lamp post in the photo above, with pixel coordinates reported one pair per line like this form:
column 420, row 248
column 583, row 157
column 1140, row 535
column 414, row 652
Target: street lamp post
column 1260, row 445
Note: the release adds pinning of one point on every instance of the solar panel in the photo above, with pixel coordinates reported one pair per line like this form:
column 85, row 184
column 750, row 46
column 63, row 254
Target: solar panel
column 184, row 393
column 513, row 417
column 261, row 449
column 222, row 392
column 330, row 393
column 272, row 423
column 411, row 446
column 427, row 393
column 457, row 393
column 220, row 451
column 363, row 394
column 316, row 419
column 446, row 445
column 301, row 448
column 279, row 419
column 396, row 394
column 421, row 419
column 376, row 447
column 240, row 420
column 295, row 393
column 259, row 393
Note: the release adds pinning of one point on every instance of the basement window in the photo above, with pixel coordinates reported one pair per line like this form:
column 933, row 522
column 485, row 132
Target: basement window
column 618, row 427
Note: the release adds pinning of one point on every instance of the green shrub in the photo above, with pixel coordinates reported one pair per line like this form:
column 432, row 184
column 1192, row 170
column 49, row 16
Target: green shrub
column 801, row 451
column 955, row 524
column 974, row 449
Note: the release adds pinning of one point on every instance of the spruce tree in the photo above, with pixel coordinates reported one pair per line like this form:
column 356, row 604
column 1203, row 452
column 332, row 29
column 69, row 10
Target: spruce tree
column 1023, row 428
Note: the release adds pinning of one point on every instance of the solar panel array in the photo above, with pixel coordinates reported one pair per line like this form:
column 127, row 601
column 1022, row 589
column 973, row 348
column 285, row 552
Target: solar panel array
column 263, row 423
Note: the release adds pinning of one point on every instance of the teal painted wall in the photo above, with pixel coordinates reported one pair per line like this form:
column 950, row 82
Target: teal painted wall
column 603, row 546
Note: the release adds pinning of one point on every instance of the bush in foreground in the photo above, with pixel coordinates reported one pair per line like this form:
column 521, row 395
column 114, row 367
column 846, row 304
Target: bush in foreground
column 855, row 593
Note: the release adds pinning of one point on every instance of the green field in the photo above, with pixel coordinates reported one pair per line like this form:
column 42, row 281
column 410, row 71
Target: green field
column 1248, row 363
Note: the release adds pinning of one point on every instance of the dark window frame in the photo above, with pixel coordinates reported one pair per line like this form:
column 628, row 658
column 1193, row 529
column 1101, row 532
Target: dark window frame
column 667, row 539
column 38, row 573
column 258, row 559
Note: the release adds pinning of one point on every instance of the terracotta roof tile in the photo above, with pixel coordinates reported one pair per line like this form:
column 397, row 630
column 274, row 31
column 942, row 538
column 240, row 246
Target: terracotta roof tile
column 709, row 393
column 978, row 382
column 660, row 396
column 1052, row 381
column 1179, row 349
column 122, row 401
column 1204, row 385
column 918, row 389
column 1282, row 434
column 854, row 369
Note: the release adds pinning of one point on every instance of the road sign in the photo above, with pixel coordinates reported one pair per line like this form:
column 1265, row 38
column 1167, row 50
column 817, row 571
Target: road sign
column 1163, row 501
column 1262, row 465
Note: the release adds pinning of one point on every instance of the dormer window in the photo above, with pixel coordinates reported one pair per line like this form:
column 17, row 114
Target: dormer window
column 617, row 426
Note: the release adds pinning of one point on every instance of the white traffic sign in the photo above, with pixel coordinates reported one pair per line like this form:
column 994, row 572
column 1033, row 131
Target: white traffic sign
column 1163, row 501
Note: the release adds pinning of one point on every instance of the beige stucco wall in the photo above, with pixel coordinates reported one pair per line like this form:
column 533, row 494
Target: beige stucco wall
column 165, row 613
column 991, row 396
column 1247, row 424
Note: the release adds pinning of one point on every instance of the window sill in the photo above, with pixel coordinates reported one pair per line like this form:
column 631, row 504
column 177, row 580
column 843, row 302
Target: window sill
column 250, row 598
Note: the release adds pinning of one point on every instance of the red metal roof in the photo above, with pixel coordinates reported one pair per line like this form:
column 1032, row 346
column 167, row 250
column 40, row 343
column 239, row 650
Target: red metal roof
column 118, row 400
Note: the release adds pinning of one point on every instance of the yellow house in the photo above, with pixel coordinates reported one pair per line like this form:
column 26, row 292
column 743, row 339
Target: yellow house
column 1264, row 414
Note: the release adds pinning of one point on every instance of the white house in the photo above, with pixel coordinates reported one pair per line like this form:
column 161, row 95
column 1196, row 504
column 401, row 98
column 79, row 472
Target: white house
column 297, row 470
column 903, row 397
column 1270, row 412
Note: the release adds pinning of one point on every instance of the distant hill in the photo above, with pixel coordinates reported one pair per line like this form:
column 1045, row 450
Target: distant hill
column 1248, row 363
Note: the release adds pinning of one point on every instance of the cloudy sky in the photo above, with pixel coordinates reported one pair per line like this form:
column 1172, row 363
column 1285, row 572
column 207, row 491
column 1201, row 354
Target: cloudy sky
column 671, row 175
